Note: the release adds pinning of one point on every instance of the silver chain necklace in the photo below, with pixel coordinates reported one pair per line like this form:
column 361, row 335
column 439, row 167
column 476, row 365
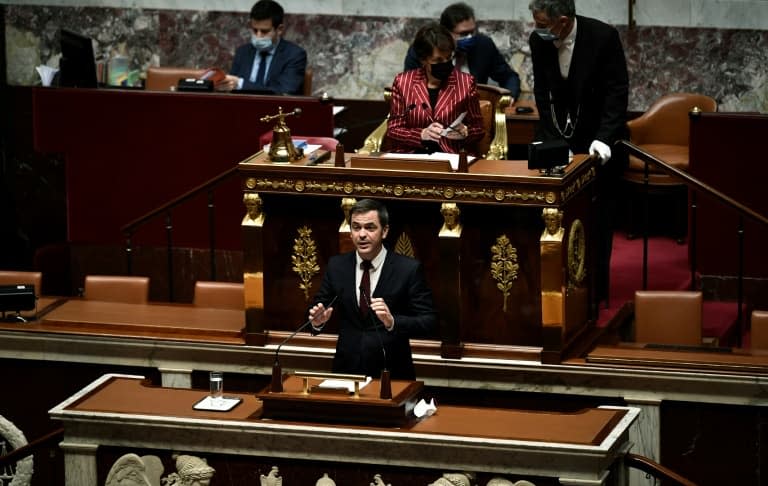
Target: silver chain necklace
column 570, row 126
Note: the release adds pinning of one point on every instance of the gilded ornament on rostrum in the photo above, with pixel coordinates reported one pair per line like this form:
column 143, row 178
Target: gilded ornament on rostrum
column 404, row 246
column 427, row 190
column 576, row 254
column 304, row 259
column 504, row 266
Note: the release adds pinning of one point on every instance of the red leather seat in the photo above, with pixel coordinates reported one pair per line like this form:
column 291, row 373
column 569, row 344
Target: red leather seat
column 12, row 277
column 117, row 288
column 668, row 317
column 222, row 295
column 663, row 131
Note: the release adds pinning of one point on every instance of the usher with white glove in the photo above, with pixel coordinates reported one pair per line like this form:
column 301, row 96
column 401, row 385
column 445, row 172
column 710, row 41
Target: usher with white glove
column 601, row 150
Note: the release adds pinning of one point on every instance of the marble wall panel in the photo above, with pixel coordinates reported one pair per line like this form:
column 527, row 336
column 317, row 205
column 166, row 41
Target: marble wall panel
column 356, row 57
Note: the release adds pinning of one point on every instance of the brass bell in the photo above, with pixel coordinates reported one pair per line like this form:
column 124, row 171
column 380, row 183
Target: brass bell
column 281, row 149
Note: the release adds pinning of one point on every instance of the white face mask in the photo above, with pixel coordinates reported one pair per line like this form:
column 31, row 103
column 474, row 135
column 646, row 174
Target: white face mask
column 261, row 43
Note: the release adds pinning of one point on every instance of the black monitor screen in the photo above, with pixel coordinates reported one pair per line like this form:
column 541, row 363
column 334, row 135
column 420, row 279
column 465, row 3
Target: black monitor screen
column 77, row 68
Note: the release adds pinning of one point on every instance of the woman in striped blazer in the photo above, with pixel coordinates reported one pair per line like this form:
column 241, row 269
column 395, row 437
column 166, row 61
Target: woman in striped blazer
column 428, row 102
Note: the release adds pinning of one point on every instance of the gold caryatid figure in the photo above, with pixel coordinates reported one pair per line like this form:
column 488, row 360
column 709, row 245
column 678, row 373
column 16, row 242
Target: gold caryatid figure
column 451, row 222
column 254, row 214
column 553, row 220
column 281, row 149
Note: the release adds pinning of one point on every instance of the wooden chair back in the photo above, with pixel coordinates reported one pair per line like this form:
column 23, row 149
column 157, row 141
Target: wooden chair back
column 222, row 295
column 117, row 288
column 668, row 317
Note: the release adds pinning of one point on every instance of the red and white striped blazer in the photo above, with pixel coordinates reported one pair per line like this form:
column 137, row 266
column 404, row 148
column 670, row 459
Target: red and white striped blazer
column 410, row 111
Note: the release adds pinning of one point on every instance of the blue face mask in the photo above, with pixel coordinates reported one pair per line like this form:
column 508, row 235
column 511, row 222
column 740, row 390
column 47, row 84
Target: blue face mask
column 465, row 43
column 261, row 43
column 546, row 34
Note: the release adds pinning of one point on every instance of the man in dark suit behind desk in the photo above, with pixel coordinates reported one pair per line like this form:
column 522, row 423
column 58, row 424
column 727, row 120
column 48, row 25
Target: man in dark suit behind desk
column 476, row 53
column 581, row 86
column 375, row 326
column 268, row 62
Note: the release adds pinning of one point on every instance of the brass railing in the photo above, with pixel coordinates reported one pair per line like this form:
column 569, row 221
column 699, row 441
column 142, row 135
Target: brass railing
column 167, row 209
column 696, row 186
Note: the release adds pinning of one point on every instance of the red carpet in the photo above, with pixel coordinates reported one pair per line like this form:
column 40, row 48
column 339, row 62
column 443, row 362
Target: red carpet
column 668, row 269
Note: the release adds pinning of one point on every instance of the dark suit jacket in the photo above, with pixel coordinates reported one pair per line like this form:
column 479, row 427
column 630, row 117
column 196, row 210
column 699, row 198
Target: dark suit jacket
column 596, row 91
column 286, row 71
column 484, row 61
column 403, row 287
column 458, row 94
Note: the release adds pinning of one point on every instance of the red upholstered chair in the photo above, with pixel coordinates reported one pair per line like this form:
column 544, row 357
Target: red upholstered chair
column 116, row 288
column 663, row 131
column 759, row 332
column 222, row 295
column 668, row 317
column 12, row 277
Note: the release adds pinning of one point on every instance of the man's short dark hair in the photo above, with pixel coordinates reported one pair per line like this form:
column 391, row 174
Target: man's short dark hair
column 267, row 9
column 455, row 14
column 431, row 36
column 365, row 205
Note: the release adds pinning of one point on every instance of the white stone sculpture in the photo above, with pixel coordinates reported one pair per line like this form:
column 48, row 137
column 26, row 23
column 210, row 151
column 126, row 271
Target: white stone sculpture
column 507, row 482
column 190, row 471
column 271, row 479
column 22, row 474
column 132, row 470
column 377, row 481
column 455, row 479
column 325, row 481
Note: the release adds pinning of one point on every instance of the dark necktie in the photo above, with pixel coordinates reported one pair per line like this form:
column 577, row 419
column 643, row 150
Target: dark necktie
column 365, row 287
column 262, row 68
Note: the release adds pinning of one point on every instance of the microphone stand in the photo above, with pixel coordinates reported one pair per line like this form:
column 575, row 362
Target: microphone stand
column 386, row 382
column 277, row 370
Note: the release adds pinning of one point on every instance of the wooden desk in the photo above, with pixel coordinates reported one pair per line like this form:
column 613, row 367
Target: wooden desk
column 118, row 411
column 127, row 152
column 501, row 204
column 167, row 321
column 752, row 362
column 521, row 127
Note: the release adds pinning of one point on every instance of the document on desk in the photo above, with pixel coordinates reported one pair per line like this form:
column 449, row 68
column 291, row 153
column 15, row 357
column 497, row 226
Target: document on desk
column 452, row 158
column 348, row 385
column 453, row 125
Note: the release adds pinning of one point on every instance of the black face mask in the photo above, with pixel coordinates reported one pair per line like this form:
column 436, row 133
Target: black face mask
column 441, row 70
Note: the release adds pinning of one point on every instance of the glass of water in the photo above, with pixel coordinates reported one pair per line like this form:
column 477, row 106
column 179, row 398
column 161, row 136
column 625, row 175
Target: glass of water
column 216, row 380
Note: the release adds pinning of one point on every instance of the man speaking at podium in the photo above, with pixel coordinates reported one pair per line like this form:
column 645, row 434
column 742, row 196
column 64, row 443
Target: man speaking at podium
column 383, row 300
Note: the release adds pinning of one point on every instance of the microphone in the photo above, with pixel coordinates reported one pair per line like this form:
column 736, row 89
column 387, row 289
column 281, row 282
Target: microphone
column 277, row 372
column 408, row 109
column 372, row 121
column 386, row 386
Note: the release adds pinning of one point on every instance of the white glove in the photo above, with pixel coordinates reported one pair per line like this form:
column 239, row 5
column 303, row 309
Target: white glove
column 600, row 149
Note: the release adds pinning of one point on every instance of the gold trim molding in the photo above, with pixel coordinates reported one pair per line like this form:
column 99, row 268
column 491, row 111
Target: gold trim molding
column 400, row 190
column 576, row 185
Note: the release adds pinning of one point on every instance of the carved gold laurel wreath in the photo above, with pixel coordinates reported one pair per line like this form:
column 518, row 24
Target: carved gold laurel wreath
column 576, row 253
column 304, row 259
column 504, row 266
